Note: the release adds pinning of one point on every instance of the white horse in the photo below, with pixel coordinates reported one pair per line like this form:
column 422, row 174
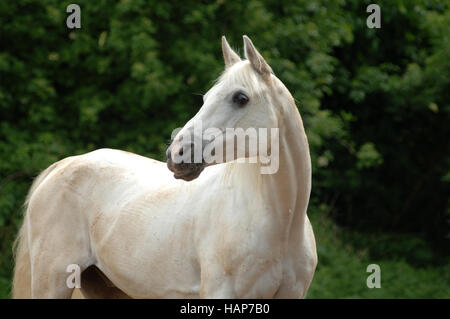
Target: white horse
column 230, row 232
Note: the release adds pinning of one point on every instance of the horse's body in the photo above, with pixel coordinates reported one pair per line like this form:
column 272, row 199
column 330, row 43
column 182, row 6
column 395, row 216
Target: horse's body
column 230, row 233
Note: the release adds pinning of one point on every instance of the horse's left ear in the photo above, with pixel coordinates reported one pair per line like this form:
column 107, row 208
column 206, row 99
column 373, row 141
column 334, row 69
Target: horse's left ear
column 256, row 59
column 229, row 56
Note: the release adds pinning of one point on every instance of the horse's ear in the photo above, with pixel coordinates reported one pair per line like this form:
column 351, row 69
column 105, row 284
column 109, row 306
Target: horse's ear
column 230, row 57
column 256, row 59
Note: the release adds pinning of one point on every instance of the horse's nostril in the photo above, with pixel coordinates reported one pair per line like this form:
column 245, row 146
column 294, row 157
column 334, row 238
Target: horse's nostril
column 168, row 154
column 180, row 152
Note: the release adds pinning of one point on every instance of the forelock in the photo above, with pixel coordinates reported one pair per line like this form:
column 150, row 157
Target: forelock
column 242, row 74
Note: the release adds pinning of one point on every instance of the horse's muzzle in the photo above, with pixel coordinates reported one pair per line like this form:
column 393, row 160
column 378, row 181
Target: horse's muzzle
column 190, row 173
column 183, row 170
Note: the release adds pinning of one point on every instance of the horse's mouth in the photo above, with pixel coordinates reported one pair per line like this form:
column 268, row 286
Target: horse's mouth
column 187, row 174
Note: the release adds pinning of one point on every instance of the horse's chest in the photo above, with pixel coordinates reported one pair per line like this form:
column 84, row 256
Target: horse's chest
column 242, row 249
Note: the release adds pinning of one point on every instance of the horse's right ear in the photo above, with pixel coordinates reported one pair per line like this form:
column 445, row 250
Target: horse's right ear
column 256, row 59
column 229, row 56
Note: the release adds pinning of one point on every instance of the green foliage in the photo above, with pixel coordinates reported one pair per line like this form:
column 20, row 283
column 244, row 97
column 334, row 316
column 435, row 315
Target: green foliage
column 393, row 161
column 368, row 156
column 374, row 104
column 344, row 257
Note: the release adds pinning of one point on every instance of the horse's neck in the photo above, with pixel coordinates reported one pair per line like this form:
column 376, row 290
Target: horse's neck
column 287, row 191
column 291, row 184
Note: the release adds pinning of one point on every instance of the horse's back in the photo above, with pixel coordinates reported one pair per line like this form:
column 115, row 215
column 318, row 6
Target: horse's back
column 100, row 183
column 92, row 173
column 100, row 179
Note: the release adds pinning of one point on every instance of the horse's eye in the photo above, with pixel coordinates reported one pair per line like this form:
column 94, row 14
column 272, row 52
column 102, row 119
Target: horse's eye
column 240, row 98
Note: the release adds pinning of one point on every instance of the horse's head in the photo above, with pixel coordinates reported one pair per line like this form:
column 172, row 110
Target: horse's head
column 237, row 111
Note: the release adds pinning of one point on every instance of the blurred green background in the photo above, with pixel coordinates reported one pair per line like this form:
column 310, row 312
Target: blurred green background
column 375, row 104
